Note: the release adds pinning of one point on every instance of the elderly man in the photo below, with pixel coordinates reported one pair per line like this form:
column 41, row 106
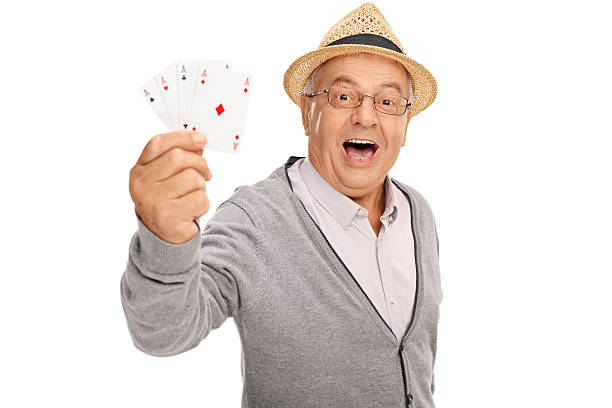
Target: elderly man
column 328, row 266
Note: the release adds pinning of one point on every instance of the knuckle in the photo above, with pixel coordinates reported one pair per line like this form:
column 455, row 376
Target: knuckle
column 205, row 167
column 192, row 173
column 203, row 203
column 154, row 142
column 206, row 205
column 199, row 197
column 203, row 162
column 176, row 155
column 196, row 178
column 201, row 183
column 135, row 191
column 135, row 173
column 138, row 191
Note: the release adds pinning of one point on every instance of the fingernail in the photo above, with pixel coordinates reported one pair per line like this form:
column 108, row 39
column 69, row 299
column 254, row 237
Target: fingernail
column 199, row 138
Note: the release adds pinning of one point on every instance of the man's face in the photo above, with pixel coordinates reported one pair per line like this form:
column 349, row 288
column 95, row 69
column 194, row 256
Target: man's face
column 328, row 127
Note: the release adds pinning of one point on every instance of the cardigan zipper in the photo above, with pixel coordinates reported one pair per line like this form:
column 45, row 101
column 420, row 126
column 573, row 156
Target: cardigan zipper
column 404, row 364
column 407, row 388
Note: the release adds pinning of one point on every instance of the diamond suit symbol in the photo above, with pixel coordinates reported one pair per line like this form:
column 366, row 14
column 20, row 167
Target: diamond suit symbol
column 220, row 109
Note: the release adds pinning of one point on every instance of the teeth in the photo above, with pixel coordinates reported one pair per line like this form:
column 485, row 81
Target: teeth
column 358, row 158
column 360, row 141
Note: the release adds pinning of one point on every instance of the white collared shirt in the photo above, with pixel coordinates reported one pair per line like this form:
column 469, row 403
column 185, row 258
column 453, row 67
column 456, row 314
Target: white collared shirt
column 383, row 265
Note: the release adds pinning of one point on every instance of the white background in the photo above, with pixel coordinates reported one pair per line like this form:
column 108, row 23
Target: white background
column 513, row 157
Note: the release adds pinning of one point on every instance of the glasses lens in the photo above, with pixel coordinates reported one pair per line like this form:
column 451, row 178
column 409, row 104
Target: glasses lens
column 343, row 97
column 391, row 104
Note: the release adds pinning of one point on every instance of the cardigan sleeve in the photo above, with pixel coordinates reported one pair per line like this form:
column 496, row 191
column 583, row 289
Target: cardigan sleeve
column 173, row 295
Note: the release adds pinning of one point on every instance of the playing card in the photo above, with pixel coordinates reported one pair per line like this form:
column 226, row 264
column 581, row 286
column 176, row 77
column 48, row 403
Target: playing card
column 220, row 107
column 151, row 94
column 188, row 76
column 166, row 82
column 202, row 95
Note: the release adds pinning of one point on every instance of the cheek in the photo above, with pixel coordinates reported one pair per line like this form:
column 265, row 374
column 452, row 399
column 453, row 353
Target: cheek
column 317, row 121
column 327, row 125
column 394, row 133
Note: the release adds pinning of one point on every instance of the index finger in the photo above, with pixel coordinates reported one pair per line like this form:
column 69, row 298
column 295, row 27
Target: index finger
column 160, row 144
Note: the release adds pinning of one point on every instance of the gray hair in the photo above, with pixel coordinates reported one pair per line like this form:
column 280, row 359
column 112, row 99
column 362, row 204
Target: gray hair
column 309, row 87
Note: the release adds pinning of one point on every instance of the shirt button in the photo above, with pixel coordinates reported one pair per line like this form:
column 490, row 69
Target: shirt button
column 392, row 300
column 378, row 244
column 360, row 212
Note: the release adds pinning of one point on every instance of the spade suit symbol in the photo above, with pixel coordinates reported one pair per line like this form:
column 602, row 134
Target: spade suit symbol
column 152, row 99
column 184, row 78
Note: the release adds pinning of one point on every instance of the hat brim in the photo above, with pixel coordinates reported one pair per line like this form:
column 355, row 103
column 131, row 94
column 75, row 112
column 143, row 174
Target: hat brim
column 424, row 85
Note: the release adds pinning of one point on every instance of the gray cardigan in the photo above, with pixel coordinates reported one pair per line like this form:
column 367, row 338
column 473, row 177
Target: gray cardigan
column 310, row 336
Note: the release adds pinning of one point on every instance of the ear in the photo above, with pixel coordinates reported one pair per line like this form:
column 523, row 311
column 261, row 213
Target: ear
column 305, row 114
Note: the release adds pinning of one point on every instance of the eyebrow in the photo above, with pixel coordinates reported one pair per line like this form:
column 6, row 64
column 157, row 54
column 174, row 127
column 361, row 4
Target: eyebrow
column 349, row 81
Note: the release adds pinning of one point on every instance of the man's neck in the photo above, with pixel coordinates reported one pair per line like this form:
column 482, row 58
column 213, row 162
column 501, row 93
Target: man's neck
column 374, row 201
column 375, row 204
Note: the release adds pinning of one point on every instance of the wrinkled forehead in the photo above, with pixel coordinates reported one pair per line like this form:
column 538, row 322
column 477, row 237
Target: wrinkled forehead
column 332, row 68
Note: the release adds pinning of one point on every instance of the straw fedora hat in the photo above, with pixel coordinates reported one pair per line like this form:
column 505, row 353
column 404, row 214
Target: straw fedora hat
column 362, row 30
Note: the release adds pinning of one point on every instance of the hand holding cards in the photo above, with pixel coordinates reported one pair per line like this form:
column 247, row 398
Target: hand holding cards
column 204, row 96
column 168, row 185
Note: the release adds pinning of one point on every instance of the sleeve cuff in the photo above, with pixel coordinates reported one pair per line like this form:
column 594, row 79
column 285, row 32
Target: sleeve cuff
column 166, row 258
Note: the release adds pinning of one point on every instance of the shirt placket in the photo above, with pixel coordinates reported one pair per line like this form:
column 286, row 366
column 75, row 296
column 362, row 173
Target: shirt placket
column 387, row 280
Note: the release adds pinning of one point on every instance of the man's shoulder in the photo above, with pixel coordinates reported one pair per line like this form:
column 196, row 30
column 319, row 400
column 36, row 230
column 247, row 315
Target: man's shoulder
column 262, row 195
column 261, row 188
column 413, row 193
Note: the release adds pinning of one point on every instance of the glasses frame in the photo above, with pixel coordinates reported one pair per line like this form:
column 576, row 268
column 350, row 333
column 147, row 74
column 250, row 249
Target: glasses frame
column 326, row 91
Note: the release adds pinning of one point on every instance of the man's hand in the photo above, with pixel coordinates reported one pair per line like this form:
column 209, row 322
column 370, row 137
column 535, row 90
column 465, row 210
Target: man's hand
column 168, row 185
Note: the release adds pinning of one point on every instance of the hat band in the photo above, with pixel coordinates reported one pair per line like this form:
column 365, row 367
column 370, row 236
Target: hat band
column 368, row 39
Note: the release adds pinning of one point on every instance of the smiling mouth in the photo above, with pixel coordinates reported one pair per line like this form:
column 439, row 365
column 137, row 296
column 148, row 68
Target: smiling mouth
column 360, row 151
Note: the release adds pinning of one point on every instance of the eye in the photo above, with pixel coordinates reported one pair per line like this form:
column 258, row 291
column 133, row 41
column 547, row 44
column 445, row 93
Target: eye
column 387, row 102
column 343, row 97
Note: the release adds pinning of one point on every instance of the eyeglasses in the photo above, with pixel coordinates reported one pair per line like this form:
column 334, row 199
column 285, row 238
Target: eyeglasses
column 390, row 104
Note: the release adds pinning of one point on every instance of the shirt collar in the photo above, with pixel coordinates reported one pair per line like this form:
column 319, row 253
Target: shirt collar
column 341, row 207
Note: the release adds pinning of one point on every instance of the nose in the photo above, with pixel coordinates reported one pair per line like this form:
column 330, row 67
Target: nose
column 365, row 114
